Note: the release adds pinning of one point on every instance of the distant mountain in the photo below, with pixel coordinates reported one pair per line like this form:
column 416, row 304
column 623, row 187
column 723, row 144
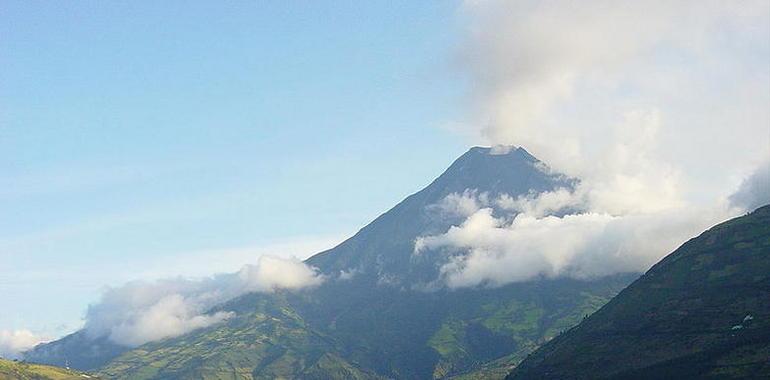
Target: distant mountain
column 379, row 320
column 15, row 370
column 702, row 312
column 383, row 249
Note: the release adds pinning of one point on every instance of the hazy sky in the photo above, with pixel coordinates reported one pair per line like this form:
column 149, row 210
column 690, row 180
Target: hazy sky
column 146, row 140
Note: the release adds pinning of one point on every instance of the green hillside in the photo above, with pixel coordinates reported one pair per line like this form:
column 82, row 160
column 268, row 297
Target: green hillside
column 268, row 342
column 374, row 333
column 702, row 312
column 14, row 370
column 420, row 335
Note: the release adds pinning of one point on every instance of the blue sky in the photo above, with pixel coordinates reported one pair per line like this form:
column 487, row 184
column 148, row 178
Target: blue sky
column 141, row 139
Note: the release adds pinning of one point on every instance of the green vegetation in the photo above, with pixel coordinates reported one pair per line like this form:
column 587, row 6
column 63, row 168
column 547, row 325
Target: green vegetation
column 271, row 342
column 702, row 312
column 519, row 326
column 14, row 370
column 359, row 332
column 448, row 340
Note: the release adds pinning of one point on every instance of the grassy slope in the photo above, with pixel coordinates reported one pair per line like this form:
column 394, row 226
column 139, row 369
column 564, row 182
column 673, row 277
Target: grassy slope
column 526, row 324
column 408, row 335
column 418, row 335
column 12, row 370
column 270, row 342
column 683, row 319
column 530, row 326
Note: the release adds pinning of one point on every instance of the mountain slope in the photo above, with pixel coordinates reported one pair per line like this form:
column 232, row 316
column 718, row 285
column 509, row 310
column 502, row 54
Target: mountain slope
column 383, row 249
column 702, row 312
column 380, row 318
column 78, row 349
column 269, row 341
column 383, row 331
column 414, row 334
column 29, row 371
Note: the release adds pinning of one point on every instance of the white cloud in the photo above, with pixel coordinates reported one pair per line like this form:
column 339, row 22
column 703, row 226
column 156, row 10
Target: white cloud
column 276, row 273
column 346, row 275
column 655, row 106
column 14, row 342
column 654, row 100
column 172, row 315
column 142, row 311
column 205, row 262
column 185, row 264
column 523, row 245
column 460, row 205
column 539, row 204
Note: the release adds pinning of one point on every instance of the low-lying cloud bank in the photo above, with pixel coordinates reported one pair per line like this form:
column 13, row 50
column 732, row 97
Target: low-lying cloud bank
column 141, row 312
column 510, row 240
column 14, row 342
column 626, row 215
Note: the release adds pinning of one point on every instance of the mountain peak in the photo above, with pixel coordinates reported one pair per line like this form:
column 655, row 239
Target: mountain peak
column 502, row 150
column 384, row 247
column 497, row 169
column 503, row 154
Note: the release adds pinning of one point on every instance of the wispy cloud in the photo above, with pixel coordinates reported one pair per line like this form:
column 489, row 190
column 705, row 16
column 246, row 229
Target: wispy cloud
column 582, row 84
column 13, row 343
column 81, row 285
column 206, row 262
column 145, row 311
column 513, row 240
